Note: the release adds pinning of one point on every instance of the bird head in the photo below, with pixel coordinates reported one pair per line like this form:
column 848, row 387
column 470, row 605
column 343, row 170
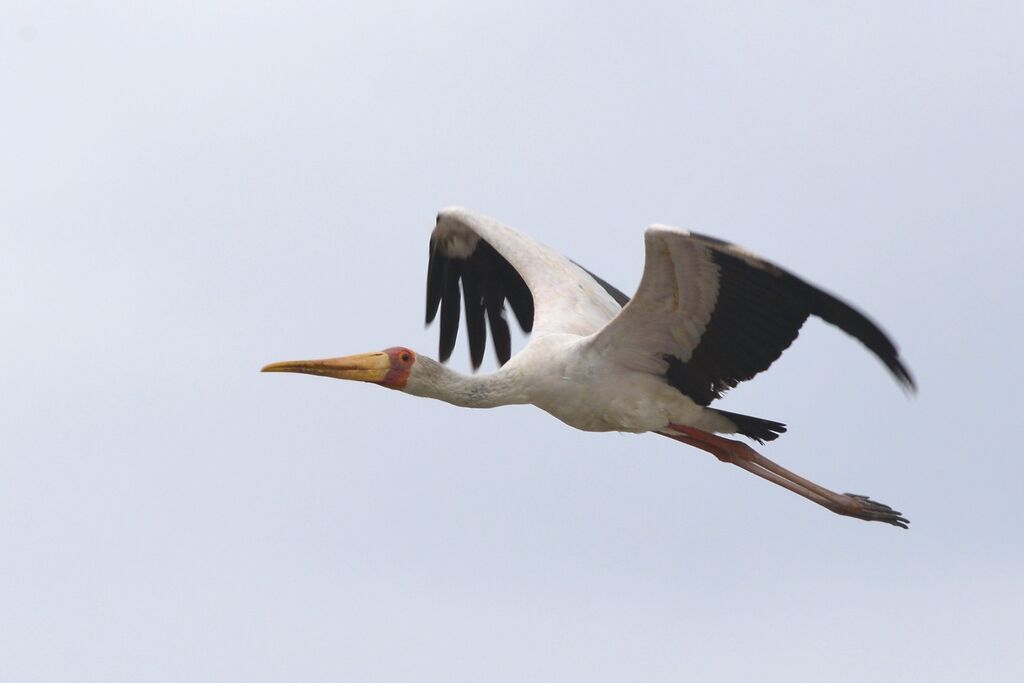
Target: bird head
column 389, row 368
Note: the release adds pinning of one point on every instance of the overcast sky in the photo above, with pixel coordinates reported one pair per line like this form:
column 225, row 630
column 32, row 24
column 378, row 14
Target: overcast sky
column 188, row 193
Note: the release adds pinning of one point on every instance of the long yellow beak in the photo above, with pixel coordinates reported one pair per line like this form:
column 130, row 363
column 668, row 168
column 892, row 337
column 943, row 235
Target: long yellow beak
column 365, row 367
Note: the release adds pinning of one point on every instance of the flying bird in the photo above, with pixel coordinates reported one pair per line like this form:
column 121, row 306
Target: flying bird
column 706, row 316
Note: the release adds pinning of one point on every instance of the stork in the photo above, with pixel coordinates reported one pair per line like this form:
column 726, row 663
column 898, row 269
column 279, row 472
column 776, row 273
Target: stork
column 706, row 315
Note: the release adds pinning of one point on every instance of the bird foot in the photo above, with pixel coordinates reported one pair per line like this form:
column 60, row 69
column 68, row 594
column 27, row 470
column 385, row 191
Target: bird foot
column 863, row 507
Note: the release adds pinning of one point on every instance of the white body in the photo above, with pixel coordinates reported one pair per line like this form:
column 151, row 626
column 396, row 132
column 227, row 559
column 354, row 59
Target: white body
column 566, row 376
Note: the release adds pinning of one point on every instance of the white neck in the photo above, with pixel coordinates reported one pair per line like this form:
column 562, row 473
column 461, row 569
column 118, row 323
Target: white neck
column 433, row 380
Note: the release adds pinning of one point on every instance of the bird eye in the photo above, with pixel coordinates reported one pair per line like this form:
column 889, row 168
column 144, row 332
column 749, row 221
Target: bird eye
column 405, row 357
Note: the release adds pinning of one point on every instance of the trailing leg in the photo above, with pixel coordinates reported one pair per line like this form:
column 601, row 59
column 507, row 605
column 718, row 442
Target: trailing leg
column 742, row 455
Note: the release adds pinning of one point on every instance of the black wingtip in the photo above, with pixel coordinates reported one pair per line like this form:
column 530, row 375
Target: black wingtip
column 890, row 357
column 501, row 335
column 450, row 311
column 833, row 310
column 475, row 325
column 435, row 282
column 903, row 376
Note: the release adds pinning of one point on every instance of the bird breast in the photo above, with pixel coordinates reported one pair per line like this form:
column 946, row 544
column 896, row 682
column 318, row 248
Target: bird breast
column 588, row 393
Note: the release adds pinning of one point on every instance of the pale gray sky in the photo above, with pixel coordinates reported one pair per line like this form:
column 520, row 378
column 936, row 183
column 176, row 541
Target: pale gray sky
column 189, row 192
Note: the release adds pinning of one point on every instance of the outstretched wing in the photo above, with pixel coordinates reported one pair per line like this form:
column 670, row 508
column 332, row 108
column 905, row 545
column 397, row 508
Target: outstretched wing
column 709, row 314
column 485, row 263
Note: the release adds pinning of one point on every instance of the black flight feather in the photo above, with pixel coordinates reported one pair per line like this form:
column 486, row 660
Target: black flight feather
column 449, row 309
column 488, row 282
column 758, row 313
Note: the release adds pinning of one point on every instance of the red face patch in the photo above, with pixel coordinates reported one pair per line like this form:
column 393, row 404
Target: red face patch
column 401, row 365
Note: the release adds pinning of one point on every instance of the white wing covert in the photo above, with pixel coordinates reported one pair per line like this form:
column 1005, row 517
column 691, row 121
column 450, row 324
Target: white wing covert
column 709, row 314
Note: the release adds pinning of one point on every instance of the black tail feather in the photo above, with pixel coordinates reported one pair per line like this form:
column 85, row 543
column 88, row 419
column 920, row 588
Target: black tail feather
column 756, row 428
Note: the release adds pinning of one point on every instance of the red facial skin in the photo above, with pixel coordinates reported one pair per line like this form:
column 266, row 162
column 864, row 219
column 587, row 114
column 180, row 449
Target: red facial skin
column 401, row 365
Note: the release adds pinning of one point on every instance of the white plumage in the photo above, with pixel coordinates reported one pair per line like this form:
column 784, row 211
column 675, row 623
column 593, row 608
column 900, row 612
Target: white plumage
column 706, row 315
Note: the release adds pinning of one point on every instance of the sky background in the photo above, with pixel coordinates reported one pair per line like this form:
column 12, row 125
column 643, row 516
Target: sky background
column 190, row 191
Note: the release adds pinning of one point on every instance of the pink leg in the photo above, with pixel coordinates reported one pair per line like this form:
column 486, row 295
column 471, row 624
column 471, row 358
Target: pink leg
column 742, row 455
